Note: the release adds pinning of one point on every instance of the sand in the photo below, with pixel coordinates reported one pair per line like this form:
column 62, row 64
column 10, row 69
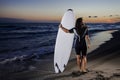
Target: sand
column 103, row 63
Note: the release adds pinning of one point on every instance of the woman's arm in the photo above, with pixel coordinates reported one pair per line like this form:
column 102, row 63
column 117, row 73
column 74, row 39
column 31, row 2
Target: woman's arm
column 64, row 29
column 88, row 40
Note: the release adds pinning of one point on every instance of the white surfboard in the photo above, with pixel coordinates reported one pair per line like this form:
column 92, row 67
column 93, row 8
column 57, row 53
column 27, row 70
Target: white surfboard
column 64, row 42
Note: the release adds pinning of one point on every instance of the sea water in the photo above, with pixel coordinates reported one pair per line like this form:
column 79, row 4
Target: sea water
column 33, row 40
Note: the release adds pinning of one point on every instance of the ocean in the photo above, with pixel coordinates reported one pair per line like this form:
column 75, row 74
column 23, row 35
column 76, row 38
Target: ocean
column 33, row 40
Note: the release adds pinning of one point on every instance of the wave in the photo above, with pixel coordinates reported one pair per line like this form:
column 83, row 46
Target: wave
column 25, row 39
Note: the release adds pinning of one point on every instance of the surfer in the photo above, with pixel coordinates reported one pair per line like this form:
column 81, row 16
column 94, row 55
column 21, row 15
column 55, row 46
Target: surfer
column 82, row 37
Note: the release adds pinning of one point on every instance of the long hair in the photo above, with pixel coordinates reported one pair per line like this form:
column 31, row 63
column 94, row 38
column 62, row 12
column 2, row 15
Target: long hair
column 79, row 24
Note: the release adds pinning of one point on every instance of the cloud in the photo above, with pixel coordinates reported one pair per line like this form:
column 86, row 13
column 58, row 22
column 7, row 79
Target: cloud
column 114, row 15
column 95, row 16
column 89, row 16
column 92, row 16
column 110, row 15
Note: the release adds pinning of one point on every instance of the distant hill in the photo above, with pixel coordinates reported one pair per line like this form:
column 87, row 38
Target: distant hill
column 118, row 23
column 11, row 20
column 16, row 20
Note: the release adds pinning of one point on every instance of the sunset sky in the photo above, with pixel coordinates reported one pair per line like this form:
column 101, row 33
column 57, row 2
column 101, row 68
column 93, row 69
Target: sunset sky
column 53, row 10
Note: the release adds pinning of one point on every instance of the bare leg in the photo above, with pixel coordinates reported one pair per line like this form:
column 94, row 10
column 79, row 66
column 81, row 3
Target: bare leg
column 79, row 62
column 84, row 63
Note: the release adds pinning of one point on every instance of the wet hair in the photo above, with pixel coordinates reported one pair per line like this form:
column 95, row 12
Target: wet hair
column 70, row 10
column 79, row 24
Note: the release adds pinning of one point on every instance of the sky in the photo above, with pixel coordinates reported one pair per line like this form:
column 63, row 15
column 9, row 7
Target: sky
column 52, row 10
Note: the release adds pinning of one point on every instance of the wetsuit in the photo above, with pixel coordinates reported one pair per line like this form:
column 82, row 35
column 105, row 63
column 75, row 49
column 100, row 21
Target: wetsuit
column 80, row 42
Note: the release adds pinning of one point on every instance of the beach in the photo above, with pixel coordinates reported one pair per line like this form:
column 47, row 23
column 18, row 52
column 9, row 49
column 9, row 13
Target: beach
column 38, row 39
column 103, row 62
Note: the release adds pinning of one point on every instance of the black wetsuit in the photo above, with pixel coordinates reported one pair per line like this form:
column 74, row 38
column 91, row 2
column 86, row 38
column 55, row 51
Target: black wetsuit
column 80, row 42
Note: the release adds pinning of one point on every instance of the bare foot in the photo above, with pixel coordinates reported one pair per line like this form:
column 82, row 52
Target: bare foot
column 80, row 70
column 84, row 71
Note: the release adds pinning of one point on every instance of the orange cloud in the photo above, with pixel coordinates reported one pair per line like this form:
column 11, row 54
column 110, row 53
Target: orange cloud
column 101, row 20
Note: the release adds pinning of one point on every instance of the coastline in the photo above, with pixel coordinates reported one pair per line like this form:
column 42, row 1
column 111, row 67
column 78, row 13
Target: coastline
column 101, row 64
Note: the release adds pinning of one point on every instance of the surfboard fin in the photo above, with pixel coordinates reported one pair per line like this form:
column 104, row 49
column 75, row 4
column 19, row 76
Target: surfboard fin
column 64, row 65
column 57, row 67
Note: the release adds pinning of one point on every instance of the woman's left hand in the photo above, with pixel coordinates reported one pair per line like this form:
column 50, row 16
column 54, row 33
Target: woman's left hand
column 88, row 45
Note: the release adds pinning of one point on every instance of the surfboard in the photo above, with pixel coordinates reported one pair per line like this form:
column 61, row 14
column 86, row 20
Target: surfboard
column 64, row 42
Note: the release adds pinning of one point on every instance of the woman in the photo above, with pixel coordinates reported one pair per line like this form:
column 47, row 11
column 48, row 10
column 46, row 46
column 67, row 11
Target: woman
column 81, row 31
